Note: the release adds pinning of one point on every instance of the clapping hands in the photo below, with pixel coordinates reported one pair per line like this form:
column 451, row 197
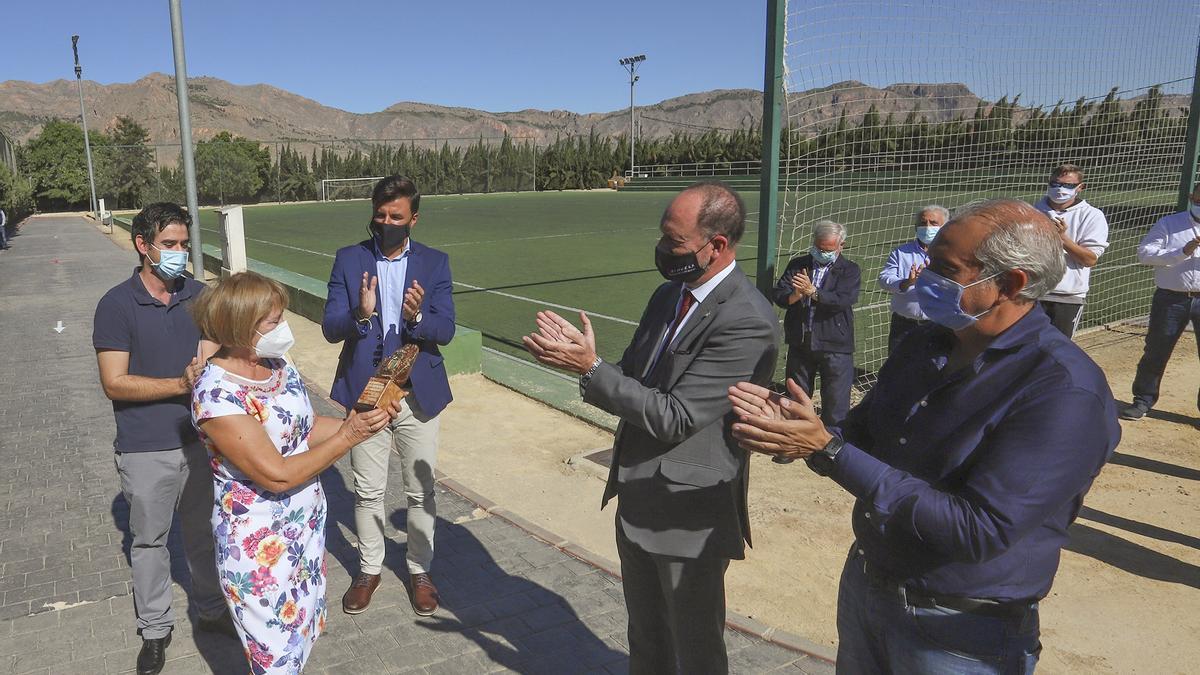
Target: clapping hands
column 559, row 344
column 786, row 428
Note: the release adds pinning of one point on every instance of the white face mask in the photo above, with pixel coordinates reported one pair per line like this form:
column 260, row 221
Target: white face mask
column 275, row 343
column 1061, row 195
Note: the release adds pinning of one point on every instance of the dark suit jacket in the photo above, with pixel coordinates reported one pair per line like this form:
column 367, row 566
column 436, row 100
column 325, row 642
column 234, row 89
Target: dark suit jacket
column 833, row 321
column 680, row 476
column 365, row 346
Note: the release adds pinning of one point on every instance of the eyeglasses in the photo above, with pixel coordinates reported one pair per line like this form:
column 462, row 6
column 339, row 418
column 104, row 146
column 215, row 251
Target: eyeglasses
column 1059, row 184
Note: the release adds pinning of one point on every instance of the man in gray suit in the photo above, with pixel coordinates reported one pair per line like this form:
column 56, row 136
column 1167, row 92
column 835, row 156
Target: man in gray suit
column 680, row 476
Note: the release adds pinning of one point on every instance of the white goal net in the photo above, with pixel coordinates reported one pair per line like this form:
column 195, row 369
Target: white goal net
column 333, row 189
column 891, row 106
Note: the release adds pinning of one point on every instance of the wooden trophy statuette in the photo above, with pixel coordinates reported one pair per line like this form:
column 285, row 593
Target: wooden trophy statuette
column 387, row 384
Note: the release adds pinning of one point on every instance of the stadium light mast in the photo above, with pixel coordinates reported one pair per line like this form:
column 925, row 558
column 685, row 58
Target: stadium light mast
column 185, row 139
column 630, row 65
column 87, row 146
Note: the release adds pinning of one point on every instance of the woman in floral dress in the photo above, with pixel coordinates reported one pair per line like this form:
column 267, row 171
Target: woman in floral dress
column 266, row 448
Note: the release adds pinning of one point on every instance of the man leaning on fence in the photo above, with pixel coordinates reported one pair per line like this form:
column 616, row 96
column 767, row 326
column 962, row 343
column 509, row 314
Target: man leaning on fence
column 1084, row 233
column 818, row 290
column 1171, row 248
column 898, row 276
column 969, row 459
column 146, row 345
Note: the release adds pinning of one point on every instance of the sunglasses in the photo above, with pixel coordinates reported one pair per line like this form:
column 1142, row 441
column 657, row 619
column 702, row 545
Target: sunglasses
column 1059, row 184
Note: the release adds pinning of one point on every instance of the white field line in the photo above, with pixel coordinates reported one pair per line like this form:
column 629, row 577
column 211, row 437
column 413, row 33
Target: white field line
column 543, row 303
column 472, row 287
column 534, row 364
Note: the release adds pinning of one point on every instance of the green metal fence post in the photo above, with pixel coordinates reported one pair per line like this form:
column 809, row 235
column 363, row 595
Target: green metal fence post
column 768, row 195
column 1187, row 176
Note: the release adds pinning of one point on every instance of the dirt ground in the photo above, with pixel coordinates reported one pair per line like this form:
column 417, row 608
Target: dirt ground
column 1127, row 595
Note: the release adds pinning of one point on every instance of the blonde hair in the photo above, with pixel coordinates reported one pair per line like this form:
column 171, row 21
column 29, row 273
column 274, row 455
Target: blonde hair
column 229, row 313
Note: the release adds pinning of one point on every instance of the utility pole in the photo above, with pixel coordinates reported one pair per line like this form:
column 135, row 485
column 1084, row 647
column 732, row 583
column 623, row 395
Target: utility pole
column 185, row 138
column 630, row 65
column 87, row 146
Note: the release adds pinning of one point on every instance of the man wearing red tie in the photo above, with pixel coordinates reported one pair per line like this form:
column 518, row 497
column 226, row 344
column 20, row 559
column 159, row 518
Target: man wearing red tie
column 680, row 479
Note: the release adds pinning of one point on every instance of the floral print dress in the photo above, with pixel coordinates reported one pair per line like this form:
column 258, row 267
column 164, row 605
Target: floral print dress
column 270, row 546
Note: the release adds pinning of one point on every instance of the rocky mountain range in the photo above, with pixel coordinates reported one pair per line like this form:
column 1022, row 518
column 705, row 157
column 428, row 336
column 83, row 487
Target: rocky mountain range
column 267, row 113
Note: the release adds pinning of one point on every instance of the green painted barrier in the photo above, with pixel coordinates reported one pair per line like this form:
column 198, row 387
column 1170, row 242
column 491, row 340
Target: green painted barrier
column 306, row 297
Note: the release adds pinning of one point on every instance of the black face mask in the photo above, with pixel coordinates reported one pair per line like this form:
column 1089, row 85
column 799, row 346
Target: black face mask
column 684, row 267
column 389, row 236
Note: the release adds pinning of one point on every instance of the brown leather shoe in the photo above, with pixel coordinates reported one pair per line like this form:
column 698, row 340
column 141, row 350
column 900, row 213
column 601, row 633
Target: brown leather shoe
column 424, row 595
column 358, row 597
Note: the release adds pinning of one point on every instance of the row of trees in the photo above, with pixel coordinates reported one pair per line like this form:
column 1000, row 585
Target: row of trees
column 230, row 169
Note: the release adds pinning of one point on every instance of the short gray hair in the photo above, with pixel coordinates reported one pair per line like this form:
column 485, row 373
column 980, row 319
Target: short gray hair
column 1021, row 238
column 824, row 229
column 936, row 208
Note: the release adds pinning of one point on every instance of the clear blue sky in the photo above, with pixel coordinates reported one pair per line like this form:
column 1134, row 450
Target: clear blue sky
column 364, row 55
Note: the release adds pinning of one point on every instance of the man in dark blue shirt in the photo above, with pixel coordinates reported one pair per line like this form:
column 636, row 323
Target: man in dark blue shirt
column 969, row 459
column 146, row 349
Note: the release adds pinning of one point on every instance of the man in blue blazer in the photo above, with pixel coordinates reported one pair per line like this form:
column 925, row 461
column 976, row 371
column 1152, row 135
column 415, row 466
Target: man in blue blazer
column 386, row 292
column 819, row 290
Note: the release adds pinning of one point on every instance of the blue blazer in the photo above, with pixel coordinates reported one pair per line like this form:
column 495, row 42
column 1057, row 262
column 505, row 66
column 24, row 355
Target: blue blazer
column 833, row 320
column 365, row 345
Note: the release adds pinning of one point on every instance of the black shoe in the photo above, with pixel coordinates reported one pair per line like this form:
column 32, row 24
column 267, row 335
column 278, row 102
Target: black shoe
column 153, row 655
column 222, row 624
column 1132, row 412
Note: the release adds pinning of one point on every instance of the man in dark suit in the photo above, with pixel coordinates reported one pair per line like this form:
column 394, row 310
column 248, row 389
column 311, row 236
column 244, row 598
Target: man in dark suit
column 682, row 481
column 819, row 290
column 386, row 292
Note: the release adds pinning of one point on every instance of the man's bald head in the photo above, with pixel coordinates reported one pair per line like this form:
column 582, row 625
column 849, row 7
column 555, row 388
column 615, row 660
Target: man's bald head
column 1006, row 235
column 720, row 210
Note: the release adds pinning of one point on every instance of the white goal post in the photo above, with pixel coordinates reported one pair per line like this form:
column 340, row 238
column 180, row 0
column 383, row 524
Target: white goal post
column 348, row 188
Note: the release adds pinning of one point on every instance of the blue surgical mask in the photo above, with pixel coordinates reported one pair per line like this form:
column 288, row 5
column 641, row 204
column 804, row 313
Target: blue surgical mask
column 1194, row 209
column 822, row 257
column 1061, row 195
column 941, row 299
column 170, row 263
column 926, row 233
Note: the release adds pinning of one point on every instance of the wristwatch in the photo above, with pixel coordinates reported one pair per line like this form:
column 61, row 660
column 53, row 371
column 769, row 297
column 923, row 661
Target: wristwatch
column 821, row 461
column 586, row 378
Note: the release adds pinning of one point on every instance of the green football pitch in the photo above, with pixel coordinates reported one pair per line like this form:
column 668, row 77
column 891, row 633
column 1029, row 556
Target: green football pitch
column 512, row 254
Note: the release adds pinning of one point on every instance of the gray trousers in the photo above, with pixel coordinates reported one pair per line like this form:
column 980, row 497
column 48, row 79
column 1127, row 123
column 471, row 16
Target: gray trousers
column 156, row 484
column 676, row 611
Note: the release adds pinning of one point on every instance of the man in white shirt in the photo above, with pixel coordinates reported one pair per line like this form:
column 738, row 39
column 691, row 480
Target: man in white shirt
column 1084, row 232
column 1170, row 247
column 904, row 264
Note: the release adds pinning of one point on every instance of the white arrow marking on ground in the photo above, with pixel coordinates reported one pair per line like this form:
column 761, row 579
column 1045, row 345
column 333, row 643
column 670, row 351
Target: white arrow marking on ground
column 59, row 328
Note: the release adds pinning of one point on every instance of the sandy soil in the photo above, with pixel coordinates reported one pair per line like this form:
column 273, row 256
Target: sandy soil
column 1127, row 596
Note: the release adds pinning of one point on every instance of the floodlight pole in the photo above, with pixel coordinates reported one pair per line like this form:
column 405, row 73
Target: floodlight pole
column 630, row 65
column 185, row 138
column 87, row 146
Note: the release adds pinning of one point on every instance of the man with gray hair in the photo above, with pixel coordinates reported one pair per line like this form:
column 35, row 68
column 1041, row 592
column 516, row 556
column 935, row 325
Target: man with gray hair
column 818, row 290
column 969, row 459
column 899, row 274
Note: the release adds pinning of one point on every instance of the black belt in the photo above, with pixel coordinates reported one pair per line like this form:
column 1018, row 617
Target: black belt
column 1013, row 609
column 1190, row 294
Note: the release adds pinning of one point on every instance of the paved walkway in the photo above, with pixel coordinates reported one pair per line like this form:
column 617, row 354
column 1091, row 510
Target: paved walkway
column 511, row 602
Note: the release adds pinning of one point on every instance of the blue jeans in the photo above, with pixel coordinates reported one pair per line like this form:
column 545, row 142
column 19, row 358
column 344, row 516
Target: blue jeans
column 837, row 376
column 879, row 632
column 1170, row 312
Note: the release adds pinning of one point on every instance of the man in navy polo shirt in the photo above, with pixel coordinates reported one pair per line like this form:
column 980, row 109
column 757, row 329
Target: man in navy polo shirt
column 969, row 459
column 146, row 345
